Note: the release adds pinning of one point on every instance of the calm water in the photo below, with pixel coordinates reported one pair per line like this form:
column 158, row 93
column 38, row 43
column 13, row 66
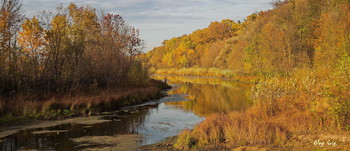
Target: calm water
column 188, row 103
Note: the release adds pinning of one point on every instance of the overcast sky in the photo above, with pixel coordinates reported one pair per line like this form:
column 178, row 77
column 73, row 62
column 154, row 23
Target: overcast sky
column 159, row 20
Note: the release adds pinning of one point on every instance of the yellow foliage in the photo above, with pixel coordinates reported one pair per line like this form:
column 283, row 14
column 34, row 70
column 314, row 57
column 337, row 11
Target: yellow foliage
column 31, row 38
column 198, row 49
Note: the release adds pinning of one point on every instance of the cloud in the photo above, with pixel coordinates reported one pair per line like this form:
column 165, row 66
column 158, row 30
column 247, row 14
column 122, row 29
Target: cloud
column 162, row 19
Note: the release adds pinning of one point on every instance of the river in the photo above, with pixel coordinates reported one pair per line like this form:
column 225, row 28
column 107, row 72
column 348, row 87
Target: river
column 188, row 103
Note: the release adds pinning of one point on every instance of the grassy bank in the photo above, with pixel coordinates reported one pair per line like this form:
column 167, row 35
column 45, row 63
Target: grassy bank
column 78, row 105
column 209, row 72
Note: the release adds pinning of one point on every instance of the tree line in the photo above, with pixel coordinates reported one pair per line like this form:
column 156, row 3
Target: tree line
column 73, row 49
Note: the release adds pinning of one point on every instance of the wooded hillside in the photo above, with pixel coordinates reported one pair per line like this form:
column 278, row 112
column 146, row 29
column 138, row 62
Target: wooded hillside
column 296, row 33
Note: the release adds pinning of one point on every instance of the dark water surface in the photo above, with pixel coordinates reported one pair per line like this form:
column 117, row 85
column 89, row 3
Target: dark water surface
column 188, row 103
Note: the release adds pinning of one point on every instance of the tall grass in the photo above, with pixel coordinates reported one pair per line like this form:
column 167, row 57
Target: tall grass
column 64, row 106
column 233, row 129
column 304, row 102
column 209, row 72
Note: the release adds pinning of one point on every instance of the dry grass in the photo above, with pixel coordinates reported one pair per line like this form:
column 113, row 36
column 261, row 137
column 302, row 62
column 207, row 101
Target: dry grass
column 80, row 104
column 304, row 102
column 234, row 129
column 209, row 72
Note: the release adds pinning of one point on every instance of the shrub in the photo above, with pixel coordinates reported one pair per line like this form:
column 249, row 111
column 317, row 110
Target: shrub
column 184, row 141
column 138, row 75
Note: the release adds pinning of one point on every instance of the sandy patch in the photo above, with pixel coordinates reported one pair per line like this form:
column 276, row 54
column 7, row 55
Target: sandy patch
column 108, row 143
column 44, row 124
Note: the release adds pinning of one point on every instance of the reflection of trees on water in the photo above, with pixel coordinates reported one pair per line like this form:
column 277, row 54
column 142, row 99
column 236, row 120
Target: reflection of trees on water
column 208, row 96
column 124, row 123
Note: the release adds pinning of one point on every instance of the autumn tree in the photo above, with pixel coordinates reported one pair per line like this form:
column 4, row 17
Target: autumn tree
column 31, row 40
column 332, row 43
column 84, row 35
column 31, row 37
column 10, row 19
column 57, row 38
column 209, row 56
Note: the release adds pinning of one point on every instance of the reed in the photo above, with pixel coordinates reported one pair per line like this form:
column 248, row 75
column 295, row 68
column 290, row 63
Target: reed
column 66, row 106
column 209, row 72
column 304, row 102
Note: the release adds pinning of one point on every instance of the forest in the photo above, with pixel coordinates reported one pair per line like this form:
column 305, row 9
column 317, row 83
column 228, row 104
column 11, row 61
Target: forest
column 298, row 56
column 71, row 52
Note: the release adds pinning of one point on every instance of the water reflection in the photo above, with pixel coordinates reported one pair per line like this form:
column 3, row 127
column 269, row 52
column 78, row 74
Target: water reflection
column 154, row 122
column 124, row 123
column 209, row 96
column 187, row 104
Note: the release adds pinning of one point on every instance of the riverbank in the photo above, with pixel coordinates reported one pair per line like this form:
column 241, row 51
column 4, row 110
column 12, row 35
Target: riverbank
column 224, row 74
column 79, row 105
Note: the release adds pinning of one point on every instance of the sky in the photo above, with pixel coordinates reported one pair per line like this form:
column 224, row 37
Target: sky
column 159, row 20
